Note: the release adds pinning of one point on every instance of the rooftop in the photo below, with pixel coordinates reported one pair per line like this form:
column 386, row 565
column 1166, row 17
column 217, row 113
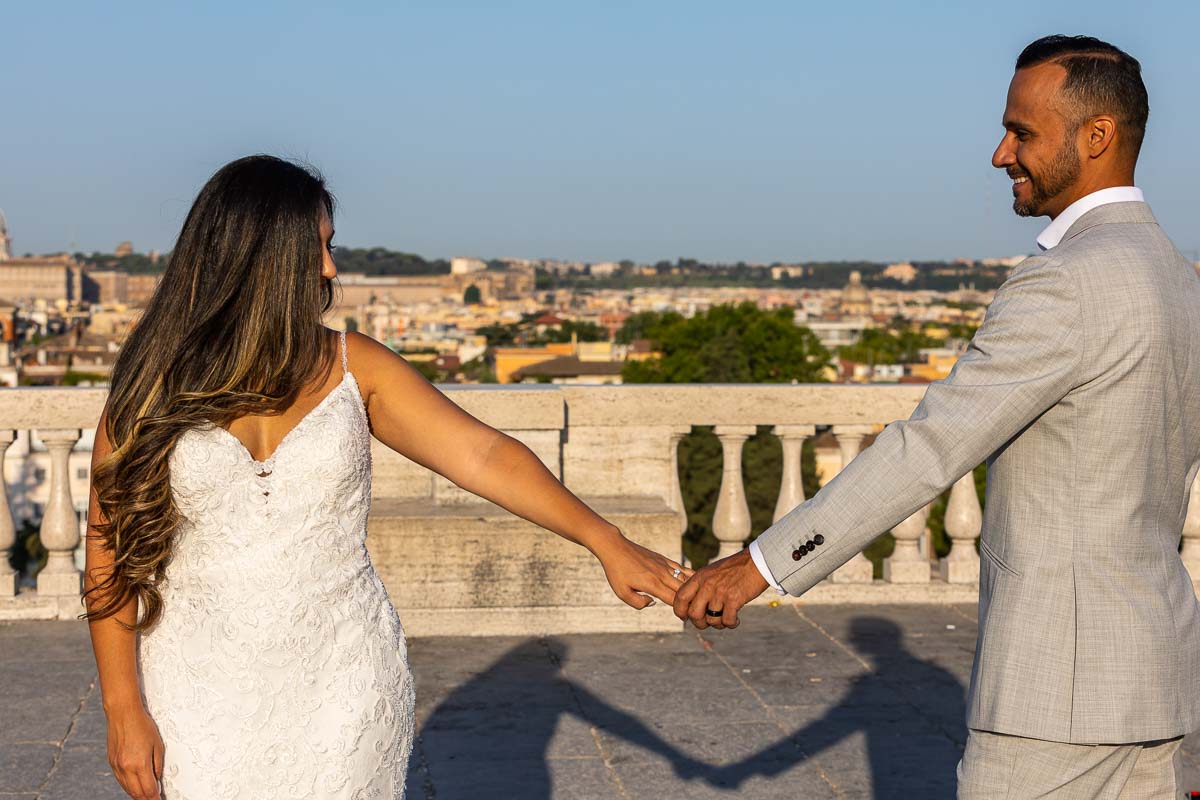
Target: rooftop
column 829, row 701
column 568, row 367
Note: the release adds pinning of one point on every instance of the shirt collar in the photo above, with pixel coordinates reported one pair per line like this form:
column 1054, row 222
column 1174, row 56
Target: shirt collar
column 1056, row 230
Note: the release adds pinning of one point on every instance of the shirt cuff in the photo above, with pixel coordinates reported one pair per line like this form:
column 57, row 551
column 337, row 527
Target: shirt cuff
column 760, row 562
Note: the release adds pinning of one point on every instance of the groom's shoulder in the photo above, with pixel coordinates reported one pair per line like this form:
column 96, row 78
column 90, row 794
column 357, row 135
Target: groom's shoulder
column 1117, row 236
column 1038, row 268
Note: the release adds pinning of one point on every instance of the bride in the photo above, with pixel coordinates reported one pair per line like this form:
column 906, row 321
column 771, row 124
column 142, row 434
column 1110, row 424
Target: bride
column 246, row 648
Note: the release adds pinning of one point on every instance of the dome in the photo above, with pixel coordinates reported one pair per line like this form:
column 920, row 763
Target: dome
column 854, row 291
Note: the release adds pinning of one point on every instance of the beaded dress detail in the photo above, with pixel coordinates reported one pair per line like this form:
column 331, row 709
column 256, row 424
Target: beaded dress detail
column 279, row 667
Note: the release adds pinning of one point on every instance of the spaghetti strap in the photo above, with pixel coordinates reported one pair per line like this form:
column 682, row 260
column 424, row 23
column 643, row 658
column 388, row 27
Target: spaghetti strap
column 345, row 366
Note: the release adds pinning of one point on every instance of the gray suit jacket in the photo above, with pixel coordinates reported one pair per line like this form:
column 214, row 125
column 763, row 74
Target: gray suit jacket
column 1082, row 391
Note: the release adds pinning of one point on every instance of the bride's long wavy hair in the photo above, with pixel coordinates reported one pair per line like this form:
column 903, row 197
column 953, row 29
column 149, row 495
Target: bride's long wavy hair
column 234, row 328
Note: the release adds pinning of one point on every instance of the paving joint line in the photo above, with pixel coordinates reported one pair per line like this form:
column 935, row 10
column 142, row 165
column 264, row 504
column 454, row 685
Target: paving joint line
column 423, row 765
column 968, row 617
column 609, row 770
column 771, row 715
column 841, row 645
column 74, row 722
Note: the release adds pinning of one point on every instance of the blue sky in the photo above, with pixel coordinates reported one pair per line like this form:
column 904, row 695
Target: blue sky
column 758, row 131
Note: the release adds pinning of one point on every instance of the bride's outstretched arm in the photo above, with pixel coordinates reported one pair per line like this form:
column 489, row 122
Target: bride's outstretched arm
column 413, row 418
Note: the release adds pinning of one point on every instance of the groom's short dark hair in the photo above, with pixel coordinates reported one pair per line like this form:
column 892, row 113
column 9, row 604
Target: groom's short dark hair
column 1101, row 79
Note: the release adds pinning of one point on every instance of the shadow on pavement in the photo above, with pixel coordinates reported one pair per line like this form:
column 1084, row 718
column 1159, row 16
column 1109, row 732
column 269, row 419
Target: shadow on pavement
column 496, row 732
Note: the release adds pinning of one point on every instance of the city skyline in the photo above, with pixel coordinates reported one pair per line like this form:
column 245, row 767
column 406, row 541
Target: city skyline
column 776, row 134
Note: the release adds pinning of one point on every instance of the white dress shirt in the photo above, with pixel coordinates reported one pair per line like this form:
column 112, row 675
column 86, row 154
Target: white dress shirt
column 1049, row 237
column 1052, row 235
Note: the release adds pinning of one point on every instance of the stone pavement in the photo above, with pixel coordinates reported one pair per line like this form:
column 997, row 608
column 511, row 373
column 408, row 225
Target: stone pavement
column 800, row 701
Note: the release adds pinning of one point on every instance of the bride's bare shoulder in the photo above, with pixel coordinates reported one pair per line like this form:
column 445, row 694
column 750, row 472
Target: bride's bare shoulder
column 369, row 359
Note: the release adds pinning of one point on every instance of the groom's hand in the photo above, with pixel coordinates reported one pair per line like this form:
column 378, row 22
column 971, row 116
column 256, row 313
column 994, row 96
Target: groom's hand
column 723, row 586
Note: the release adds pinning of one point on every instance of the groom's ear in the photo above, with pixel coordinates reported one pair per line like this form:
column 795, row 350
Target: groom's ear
column 1101, row 132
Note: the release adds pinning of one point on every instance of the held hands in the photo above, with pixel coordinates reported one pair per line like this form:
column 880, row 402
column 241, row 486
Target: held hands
column 634, row 572
column 135, row 752
column 722, row 587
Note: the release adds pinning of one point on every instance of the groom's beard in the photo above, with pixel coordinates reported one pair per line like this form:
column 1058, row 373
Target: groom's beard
column 1058, row 176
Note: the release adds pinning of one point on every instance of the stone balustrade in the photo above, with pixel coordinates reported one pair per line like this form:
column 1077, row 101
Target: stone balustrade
column 454, row 564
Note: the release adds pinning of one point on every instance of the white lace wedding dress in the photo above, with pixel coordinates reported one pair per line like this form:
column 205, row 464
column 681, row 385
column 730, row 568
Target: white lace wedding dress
column 279, row 667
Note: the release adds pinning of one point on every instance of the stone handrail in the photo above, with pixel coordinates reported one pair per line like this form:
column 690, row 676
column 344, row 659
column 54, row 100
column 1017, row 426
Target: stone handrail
column 602, row 441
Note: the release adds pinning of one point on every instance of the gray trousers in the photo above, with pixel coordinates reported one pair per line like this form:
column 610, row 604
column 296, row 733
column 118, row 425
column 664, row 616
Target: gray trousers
column 999, row 767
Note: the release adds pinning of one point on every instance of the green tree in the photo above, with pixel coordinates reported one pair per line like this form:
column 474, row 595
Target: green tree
column 72, row 378
column 731, row 344
column 647, row 325
column 884, row 347
column 427, row 368
column 472, row 296
column 582, row 330
column 728, row 344
column 478, row 370
column 499, row 335
column 27, row 556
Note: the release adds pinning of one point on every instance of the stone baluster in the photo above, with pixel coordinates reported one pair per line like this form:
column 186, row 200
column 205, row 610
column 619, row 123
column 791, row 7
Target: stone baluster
column 964, row 520
column 1190, row 551
column 675, row 501
column 907, row 563
column 849, row 438
column 60, row 523
column 731, row 521
column 8, row 532
column 791, row 486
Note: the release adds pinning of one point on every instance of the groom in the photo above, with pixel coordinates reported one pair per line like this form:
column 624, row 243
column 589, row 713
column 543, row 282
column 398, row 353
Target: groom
column 1082, row 392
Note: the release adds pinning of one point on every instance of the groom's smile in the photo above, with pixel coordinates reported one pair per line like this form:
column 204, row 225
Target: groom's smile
column 1018, row 182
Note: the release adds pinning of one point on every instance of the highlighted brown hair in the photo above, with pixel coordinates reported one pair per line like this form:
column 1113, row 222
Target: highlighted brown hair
column 234, row 328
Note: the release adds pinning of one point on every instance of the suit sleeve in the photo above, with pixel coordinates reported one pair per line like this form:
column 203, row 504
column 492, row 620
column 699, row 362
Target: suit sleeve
column 1023, row 359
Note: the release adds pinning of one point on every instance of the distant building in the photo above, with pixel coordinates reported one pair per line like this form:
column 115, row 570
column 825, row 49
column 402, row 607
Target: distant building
column 59, row 278
column 124, row 249
column 78, row 350
column 509, row 360
column 855, row 300
column 107, row 286
column 140, row 288
column 5, row 241
column 903, row 272
column 855, row 372
column 47, row 278
column 613, row 321
column 937, row 365
column 545, row 322
column 465, row 266
column 839, row 333
column 1011, row 261
column 570, row 369
column 604, row 269
column 359, row 289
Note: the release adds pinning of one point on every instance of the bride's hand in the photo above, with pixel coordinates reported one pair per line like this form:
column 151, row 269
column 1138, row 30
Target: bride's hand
column 634, row 571
column 135, row 752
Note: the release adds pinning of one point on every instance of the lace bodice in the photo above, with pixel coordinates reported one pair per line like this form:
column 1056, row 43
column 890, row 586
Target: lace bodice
column 279, row 667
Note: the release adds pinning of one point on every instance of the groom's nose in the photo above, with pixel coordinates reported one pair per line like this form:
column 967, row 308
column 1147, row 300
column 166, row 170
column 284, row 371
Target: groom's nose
column 1006, row 153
